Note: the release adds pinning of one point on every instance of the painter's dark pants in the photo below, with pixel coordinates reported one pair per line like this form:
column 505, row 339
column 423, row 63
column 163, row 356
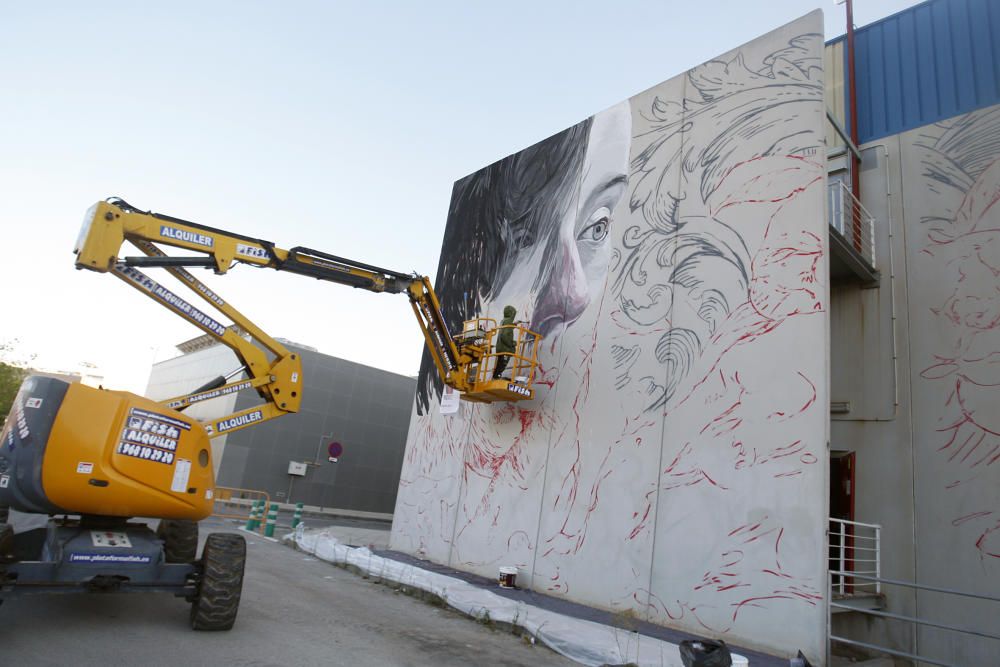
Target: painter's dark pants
column 501, row 364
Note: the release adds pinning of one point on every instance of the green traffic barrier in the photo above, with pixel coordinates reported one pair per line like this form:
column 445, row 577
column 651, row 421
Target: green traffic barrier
column 253, row 510
column 253, row 523
column 272, row 517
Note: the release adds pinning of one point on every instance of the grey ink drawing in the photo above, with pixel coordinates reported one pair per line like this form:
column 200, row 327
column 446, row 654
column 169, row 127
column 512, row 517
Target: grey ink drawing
column 683, row 262
column 724, row 251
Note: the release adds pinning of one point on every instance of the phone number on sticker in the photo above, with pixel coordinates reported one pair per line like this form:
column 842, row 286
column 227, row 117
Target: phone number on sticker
column 145, row 453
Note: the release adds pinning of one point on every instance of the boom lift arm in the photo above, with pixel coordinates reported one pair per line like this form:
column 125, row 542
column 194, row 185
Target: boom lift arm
column 464, row 362
column 70, row 449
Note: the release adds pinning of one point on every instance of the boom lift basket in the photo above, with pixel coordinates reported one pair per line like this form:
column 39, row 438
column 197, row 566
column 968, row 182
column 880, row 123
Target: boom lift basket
column 515, row 383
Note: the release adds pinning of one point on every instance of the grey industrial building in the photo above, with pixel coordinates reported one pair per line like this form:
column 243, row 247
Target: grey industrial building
column 365, row 409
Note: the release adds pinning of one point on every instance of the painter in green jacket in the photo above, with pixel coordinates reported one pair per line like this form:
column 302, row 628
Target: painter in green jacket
column 505, row 339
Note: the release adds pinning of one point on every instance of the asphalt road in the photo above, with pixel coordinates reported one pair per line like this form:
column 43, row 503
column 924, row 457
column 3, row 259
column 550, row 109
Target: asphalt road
column 295, row 611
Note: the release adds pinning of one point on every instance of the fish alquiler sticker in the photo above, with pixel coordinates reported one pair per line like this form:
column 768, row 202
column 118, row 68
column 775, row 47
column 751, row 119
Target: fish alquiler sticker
column 151, row 436
column 153, row 429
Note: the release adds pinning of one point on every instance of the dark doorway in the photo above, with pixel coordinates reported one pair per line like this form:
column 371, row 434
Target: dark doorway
column 842, row 485
column 841, row 507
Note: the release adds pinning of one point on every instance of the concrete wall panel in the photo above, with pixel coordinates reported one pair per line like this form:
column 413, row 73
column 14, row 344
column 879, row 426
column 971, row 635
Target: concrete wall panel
column 426, row 504
column 951, row 188
column 745, row 438
column 913, row 358
column 672, row 251
column 603, row 452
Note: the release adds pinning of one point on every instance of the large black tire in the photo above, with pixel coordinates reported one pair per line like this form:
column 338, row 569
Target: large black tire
column 180, row 540
column 218, row 600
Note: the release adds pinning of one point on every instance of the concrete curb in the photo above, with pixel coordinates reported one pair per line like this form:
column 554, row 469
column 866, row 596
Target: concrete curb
column 322, row 511
column 254, row 533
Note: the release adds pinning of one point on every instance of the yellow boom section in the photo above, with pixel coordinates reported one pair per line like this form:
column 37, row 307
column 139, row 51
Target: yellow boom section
column 464, row 363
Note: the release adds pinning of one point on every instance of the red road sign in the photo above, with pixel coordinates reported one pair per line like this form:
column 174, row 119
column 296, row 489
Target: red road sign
column 335, row 450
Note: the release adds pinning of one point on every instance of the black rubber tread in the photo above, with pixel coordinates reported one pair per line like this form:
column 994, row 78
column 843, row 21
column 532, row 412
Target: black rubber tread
column 180, row 540
column 222, row 563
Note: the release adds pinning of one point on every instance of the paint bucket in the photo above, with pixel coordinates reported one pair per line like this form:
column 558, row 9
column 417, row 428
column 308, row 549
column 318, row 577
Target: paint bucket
column 508, row 577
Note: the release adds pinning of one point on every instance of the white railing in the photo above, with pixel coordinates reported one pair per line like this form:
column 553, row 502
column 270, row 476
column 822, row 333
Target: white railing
column 852, row 220
column 987, row 619
column 855, row 548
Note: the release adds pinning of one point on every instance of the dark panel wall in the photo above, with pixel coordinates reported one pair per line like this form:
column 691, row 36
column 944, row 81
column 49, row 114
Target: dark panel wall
column 365, row 409
column 927, row 63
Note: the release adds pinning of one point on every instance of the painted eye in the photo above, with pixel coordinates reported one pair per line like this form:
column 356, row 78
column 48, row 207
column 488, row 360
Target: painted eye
column 596, row 231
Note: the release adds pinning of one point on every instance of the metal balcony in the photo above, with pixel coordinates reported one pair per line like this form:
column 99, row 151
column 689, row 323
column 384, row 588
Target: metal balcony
column 852, row 238
column 852, row 227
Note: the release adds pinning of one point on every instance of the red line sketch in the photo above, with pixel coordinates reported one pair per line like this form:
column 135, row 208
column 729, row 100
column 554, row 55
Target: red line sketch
column 962, row 246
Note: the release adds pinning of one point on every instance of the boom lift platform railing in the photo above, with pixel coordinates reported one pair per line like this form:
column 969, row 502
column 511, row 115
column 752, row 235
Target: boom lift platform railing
column 521, row 364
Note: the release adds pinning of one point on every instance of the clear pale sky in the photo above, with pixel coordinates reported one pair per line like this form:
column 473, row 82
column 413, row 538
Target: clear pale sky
column 339, row 126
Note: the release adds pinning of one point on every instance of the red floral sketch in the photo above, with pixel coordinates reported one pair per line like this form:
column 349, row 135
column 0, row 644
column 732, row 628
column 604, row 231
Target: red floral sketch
column 962, row 247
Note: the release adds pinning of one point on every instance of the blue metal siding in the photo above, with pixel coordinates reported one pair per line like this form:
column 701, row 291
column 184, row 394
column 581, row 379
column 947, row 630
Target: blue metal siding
column 933, row 61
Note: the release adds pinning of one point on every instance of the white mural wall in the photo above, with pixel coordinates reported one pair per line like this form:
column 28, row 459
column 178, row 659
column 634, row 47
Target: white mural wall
column 951, row 201
column 672, row 252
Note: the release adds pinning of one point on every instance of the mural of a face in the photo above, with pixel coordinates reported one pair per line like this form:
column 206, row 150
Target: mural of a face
column 534, row 231
column 574, row 254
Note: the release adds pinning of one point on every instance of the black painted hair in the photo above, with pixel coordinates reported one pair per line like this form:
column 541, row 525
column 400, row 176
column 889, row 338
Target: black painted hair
column 494, row 213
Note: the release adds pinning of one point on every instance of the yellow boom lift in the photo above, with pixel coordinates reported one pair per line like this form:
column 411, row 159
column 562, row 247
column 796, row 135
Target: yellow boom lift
column 105, row 456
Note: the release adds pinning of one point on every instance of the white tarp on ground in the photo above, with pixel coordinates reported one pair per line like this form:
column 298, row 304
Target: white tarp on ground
column 583, row 641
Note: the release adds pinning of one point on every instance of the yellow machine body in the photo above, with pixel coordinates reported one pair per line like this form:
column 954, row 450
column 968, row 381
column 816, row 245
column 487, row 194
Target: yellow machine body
column 114, row 453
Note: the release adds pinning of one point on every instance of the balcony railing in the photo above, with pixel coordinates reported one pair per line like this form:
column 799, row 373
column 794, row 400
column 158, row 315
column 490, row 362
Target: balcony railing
column 852, row 221
column 855, row 548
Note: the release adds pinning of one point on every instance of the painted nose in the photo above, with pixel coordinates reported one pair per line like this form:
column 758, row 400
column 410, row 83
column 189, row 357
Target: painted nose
column 566, row 296
column 576, row 295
